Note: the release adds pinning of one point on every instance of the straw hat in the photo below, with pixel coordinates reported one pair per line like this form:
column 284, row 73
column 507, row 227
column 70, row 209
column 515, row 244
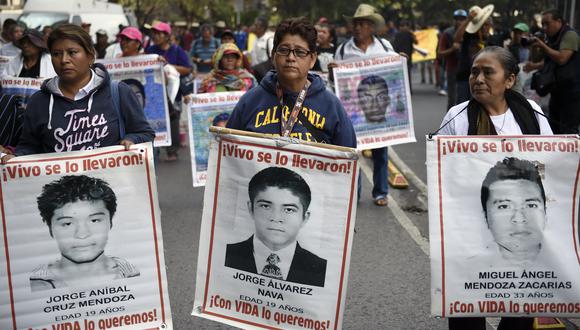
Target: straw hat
column 482, row 15
column 367, row 12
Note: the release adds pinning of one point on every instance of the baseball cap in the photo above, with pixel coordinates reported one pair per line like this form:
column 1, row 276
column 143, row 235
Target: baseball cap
column 522, row 27
column 162, row 27
column 102, row 32
column 132, row 33
column 228, row 33
column 460, row 13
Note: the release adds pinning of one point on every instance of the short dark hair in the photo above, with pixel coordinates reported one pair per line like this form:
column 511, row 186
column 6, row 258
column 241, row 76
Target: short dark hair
column 74, row 33
column 74, row 188
column 372, row 80
column 7, row 24
column 261, row 21
column 556, row 14
column 282, row 178
column 299, row 26
column 511, row 168
column 134, row 82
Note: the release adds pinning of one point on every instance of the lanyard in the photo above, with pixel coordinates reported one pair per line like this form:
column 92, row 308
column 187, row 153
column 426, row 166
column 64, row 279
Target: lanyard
column 287, row 125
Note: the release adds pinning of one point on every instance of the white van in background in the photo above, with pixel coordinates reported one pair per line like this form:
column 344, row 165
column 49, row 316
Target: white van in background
column 100, row 13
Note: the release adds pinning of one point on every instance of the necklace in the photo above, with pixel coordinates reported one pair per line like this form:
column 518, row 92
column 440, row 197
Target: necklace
column 500, row 130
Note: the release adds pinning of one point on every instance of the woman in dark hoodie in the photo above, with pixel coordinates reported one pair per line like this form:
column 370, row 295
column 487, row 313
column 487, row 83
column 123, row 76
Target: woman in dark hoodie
column 78, row 109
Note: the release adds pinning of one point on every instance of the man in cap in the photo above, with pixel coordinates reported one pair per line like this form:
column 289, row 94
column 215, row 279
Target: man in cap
column 365, row 23
column 87, row 27
column 203, row 49
column 450, row 55
column 472, row 35
column 102, row 43
column 518, row 47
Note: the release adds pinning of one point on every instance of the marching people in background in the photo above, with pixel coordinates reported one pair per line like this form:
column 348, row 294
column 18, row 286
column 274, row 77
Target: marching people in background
column 16, row 32
column 6, row 37
column 262, row 47
column 228, row 73
column 33, row 61
column 228, row 37
column 562, row 55
column 450, row 53
column 102, row 43
column 289, row 100
column 46, row 30
column 178, row 58
column 471, row 36
column 131, row 41
column 404, row 41
column 495, row 109
column 366, row 21
column 325, row 47
column 203, row 49
column 81, row 92
column 518, row 45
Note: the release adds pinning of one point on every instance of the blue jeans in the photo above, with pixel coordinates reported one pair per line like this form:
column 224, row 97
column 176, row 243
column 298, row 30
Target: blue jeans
column 380, row 174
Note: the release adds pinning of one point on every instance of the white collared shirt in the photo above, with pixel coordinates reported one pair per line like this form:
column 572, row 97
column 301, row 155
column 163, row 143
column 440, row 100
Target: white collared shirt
column 352, row 51
column 262, row 252
column 83, row 91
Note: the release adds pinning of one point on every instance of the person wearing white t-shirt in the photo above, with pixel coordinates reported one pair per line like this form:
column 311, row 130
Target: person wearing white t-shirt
column 494, row 109
column 264, row 41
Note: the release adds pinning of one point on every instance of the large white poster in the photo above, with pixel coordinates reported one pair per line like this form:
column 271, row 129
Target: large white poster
column 144, row 74
column 81, row 242
column 376, row 96
column 276, row 233
column 503, row 224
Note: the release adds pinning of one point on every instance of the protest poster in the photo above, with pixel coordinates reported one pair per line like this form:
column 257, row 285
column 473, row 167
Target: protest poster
column 81, row 242
column 503, row 225
column 144, row 74
column 276, row 233
column 426, row 47
column 202, row 111
column 376, row 96
column 22, row 87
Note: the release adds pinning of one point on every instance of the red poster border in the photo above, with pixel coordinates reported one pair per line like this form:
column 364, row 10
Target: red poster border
column 215, row 200
column 439, row 188
column 153, row 220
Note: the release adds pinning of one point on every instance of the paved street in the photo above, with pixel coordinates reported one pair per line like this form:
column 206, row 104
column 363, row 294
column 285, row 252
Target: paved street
column 388, row 285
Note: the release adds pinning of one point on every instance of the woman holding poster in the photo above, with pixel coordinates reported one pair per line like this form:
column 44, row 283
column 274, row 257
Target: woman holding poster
column 228, row 73
column 80, row 109
column 495, row 109
column 310, row 112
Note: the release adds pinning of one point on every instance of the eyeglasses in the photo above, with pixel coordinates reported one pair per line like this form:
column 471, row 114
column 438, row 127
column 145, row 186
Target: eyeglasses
column 298, row 52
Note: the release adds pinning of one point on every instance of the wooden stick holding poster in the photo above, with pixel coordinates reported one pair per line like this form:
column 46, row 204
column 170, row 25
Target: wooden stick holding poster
column 81, row 242
column 503, row 225
column 144, row 74
column 276, row 233
column 204, row 111
column 376, row 97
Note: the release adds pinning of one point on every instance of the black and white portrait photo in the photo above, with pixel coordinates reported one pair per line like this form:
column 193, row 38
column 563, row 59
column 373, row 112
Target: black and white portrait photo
column 514, row 204
column 78, row 211
column 278, row 204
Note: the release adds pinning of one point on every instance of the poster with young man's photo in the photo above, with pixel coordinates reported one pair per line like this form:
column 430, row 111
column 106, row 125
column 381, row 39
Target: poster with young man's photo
column 81, row 242
column 144, row 74
column 376, row 96
column 205, row 110
column 503, row 224
column 276, row 233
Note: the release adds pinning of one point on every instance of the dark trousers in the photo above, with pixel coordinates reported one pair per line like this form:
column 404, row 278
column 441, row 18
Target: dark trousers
column 478, row 323
column 564, row 111
column 174, row 126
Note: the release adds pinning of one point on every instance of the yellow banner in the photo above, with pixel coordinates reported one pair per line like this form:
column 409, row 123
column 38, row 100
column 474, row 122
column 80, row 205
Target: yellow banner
column 426, row 48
